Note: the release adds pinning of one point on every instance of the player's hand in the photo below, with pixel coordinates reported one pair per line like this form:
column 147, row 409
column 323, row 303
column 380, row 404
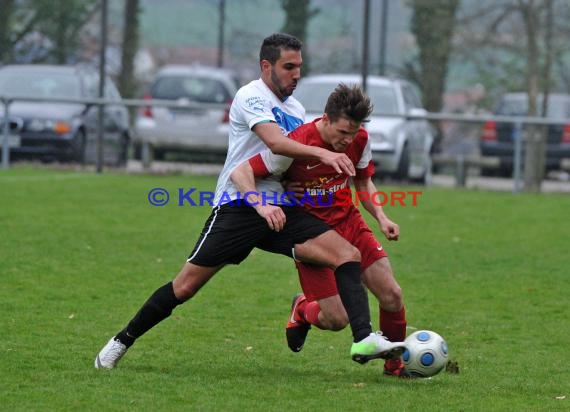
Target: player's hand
column 390, row 229
column 296, row 188
column 273, row 215
column 339, row 161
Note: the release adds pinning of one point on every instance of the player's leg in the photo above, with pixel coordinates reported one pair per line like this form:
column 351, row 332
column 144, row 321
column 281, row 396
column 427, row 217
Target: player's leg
column 332, row 315
column 308, row 239
column 229, row 235
column 319, row 305
column 377, row 275
column 379, row 278
column 332, row 250
column 329, row 249
column 158, row 307
column 305, row 237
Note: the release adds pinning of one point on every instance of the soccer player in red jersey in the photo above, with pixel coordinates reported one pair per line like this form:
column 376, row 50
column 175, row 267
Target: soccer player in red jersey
column 325, row 193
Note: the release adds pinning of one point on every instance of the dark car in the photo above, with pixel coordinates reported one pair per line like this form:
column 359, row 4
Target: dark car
column 497, row 138
column 62, row 131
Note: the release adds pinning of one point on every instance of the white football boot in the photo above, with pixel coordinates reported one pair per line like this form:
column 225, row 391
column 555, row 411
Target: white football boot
column 110, row 355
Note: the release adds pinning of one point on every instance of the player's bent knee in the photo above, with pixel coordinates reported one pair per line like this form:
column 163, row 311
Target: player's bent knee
column 342, row 250
column 335, row 321
column 351, row 254
column 191, row 279
column 338, row 324
column 347, row 254
column 392, row 299
column 184, row 290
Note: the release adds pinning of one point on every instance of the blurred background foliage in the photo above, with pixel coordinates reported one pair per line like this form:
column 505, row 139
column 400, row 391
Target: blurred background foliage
column 462, row 54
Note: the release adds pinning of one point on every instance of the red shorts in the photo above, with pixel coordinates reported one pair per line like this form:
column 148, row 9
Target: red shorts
column 318, row 282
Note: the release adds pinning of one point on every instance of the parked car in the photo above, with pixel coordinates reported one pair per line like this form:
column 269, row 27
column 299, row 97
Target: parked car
column 62, row 131
column 198, row 124
column 400, row 146
column 497, row 139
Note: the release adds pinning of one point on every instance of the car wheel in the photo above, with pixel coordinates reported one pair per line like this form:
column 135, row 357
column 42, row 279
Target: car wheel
column 78, row 147
column 158, row 154
column 506, row 172
column 427, row 177
column 137, row 151
column 487, row 172
column 404, row 164
column 123, row 153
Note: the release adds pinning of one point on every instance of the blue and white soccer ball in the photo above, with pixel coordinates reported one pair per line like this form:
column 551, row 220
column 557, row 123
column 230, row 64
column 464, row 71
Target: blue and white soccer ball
column 426, row 353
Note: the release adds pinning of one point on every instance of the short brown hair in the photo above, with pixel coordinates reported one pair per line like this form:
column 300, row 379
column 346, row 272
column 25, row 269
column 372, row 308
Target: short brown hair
column 350, row 102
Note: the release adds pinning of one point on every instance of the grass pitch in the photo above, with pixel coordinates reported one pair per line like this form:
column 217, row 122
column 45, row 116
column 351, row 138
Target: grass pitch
column 79, row 254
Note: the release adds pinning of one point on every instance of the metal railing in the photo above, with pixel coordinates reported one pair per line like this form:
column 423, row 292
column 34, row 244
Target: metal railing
column 519, row 122
column 6, row 101
column 460, row 161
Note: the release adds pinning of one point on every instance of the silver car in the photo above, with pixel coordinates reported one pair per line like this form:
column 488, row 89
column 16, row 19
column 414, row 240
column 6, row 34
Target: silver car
column 197, row 123
column 400, row 146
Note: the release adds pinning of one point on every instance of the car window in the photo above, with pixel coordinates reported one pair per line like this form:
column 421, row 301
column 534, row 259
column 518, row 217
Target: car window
column 557, row 108
column 91, row 85
column 199, row 89
column 111, row 91
column 39, row 84
column 314, row 97
column 384, row 99
column 411, row 99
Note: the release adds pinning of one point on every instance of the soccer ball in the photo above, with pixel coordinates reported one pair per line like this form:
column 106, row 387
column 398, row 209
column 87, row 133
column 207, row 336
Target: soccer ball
column 426, row 353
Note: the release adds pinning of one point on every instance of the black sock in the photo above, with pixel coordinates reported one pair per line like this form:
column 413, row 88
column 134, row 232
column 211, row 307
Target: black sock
column 354, row 298
column 157, row 308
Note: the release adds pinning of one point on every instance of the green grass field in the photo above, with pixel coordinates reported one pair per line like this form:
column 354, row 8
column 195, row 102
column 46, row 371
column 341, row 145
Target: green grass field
column 80, row 252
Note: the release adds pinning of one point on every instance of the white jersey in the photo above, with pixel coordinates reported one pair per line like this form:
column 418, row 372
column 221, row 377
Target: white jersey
column 253, row 104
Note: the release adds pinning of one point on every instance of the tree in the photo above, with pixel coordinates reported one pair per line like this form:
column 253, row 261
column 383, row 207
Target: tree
column 298, row 13
column 433, row 23
column 7, row 7
column 535, row 153
column 127, row 82
column 520, row 32
column 43, row 30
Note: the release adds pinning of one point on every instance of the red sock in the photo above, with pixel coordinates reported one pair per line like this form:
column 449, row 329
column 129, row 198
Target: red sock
column 393, row 324
column 311, row 312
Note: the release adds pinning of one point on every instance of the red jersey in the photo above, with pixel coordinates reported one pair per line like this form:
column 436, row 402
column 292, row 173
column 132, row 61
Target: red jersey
column 324, row 187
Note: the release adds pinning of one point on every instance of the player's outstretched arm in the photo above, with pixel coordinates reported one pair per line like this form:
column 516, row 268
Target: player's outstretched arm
column 272, row 136
column 390, row 229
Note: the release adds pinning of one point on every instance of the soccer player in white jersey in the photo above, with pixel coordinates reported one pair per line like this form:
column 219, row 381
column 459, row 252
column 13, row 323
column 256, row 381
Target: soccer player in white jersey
column 262, row 113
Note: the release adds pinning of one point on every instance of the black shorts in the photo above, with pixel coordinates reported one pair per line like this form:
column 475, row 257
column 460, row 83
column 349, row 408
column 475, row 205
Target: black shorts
column 231, row 232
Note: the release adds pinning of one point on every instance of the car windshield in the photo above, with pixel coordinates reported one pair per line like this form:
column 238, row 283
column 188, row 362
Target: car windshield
column 557, row 108
column 39, row 84
column 198, row 89
column 314, row 97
